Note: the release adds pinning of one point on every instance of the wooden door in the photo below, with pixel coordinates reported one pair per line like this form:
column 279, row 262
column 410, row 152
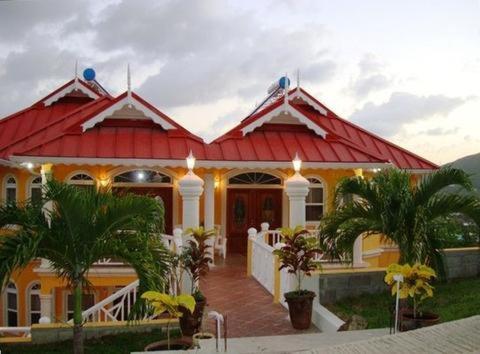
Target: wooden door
column 166, row 193
column 248, row 208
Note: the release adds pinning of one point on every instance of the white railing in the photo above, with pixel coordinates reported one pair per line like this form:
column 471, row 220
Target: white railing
column 113, row 308
column 263, row 261
column 15, row 331
column 117, row 306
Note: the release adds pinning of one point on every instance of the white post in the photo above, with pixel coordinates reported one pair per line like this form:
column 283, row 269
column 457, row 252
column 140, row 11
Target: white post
column 398, row 278
column 296, row 188
column 209, row 206
column 45, row 308
column 252, row 232
column 190, row 187
column 177, row 240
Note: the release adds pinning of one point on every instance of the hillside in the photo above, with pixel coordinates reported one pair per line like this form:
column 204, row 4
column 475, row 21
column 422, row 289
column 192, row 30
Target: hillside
column 471, row 165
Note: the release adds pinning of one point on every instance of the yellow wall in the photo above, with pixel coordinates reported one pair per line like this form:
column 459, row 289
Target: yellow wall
column 104, row 285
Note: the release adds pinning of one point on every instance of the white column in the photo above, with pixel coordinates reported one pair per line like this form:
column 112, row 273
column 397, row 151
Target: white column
column 209, row 201
column 190, row 187
column 296, row 188
column 45, row 308
column 209, row 210
column 358, row 252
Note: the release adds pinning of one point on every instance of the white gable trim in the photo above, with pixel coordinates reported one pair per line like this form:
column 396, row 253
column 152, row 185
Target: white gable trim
column 75, row 85
column 117, row 106
column 299, row 94
column 285, row 108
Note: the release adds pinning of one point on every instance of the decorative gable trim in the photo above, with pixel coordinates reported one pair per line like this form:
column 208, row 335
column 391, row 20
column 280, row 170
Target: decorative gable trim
column 127, row 100
column 75, row 85
column 286, row 109
column 298, row 93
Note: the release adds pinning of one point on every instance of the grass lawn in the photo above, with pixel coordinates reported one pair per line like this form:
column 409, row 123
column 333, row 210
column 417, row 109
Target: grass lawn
column 118, row 344
column 452, row 301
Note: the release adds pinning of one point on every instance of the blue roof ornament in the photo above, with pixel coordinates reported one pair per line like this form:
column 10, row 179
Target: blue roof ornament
column 284, row 82
column 89, row 74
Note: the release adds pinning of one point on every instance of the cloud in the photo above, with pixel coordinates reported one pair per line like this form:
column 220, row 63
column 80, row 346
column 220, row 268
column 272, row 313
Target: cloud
column 403, row 108
column 440, row 131
column 371, row 76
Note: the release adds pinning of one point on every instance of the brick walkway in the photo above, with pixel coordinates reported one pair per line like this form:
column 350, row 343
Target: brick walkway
column 248, row 306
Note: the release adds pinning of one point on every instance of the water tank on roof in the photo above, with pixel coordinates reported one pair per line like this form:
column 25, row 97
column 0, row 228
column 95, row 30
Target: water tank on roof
column 280, row 84
column 89, row 74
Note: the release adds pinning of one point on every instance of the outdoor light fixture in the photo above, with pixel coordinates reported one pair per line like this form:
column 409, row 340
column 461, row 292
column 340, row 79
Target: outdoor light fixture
column 190, row 161
column 104, row 182
column 216, row 183
column 140, row 175
column 28, row 165
column 297, row 163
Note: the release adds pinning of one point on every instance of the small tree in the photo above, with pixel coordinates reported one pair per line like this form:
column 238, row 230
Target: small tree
column 415, row 284
column 297, row 252
column 406, row 213
column 83, row 227
column 171, row 304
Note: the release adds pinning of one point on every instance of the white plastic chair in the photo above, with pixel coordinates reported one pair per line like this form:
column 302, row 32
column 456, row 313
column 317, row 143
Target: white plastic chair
column 220, row 242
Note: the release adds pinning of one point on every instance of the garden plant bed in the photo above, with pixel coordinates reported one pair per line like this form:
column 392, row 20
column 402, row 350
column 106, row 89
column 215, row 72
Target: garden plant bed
column 452, row 301
column 118, row 344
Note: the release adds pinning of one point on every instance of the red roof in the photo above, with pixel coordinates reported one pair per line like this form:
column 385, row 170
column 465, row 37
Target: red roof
column 345, row 142
column 58, row 130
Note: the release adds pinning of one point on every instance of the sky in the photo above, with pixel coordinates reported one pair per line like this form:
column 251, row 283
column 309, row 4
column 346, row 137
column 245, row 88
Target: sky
column 406, row 70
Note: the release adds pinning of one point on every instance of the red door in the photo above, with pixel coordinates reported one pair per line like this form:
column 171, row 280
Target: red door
column 166, row 193
column 248, row 208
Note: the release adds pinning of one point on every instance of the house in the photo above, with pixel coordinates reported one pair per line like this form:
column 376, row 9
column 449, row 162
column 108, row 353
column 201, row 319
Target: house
column 82, row 135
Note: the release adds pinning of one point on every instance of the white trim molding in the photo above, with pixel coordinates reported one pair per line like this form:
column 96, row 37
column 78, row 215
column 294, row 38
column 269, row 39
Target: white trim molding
column 126, row 101
column 198, row 164
column 299, row 94
column 74, row 86
column 284, row 109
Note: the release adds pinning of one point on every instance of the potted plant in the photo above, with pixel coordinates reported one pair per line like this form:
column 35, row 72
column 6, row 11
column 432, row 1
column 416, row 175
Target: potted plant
column 195, row 260
column 416, row 288
column 174, row 306
column 296, row 254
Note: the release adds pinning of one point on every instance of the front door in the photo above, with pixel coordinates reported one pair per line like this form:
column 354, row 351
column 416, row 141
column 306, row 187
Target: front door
column 166, row 193
column 248, row 208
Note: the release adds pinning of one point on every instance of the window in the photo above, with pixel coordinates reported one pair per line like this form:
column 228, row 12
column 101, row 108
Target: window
column 11, row 190
column 36, row 190
column 314, row 201
column 11, row 305
column 88, row 300
column 142, row 176
column 33, row 299
column 82, row 180
column 254, row 178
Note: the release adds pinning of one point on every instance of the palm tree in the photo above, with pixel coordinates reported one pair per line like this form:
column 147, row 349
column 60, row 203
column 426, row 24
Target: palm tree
column 82, row 227
column 407, row 213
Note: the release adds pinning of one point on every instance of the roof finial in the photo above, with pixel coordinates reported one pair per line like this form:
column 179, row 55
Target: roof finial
column 298, row 79
column 75, row 80
column 286, row 88
column 129, row 85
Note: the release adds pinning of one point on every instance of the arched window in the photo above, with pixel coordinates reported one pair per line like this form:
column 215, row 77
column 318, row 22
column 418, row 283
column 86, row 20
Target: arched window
column 35, row 190
column 11, row 305
column 33, row 303
column 81, row 179
column 142, row 176
column 10, row 189
column 254, row 178
column 314, row 201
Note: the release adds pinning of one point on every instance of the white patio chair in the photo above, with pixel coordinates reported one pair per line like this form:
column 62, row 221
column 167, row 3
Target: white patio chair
column 220, row 245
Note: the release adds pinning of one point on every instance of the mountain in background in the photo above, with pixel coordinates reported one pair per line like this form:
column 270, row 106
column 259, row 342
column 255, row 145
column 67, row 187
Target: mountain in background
column 471, row 165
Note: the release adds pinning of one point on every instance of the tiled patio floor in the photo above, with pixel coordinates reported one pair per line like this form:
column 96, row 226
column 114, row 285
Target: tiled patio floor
column 249, row 307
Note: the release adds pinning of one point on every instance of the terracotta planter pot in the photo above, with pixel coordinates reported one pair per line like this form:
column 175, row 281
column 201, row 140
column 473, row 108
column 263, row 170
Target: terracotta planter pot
column 300, row 308
column 190, row 322
column 408, row 322
column 175, row 344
